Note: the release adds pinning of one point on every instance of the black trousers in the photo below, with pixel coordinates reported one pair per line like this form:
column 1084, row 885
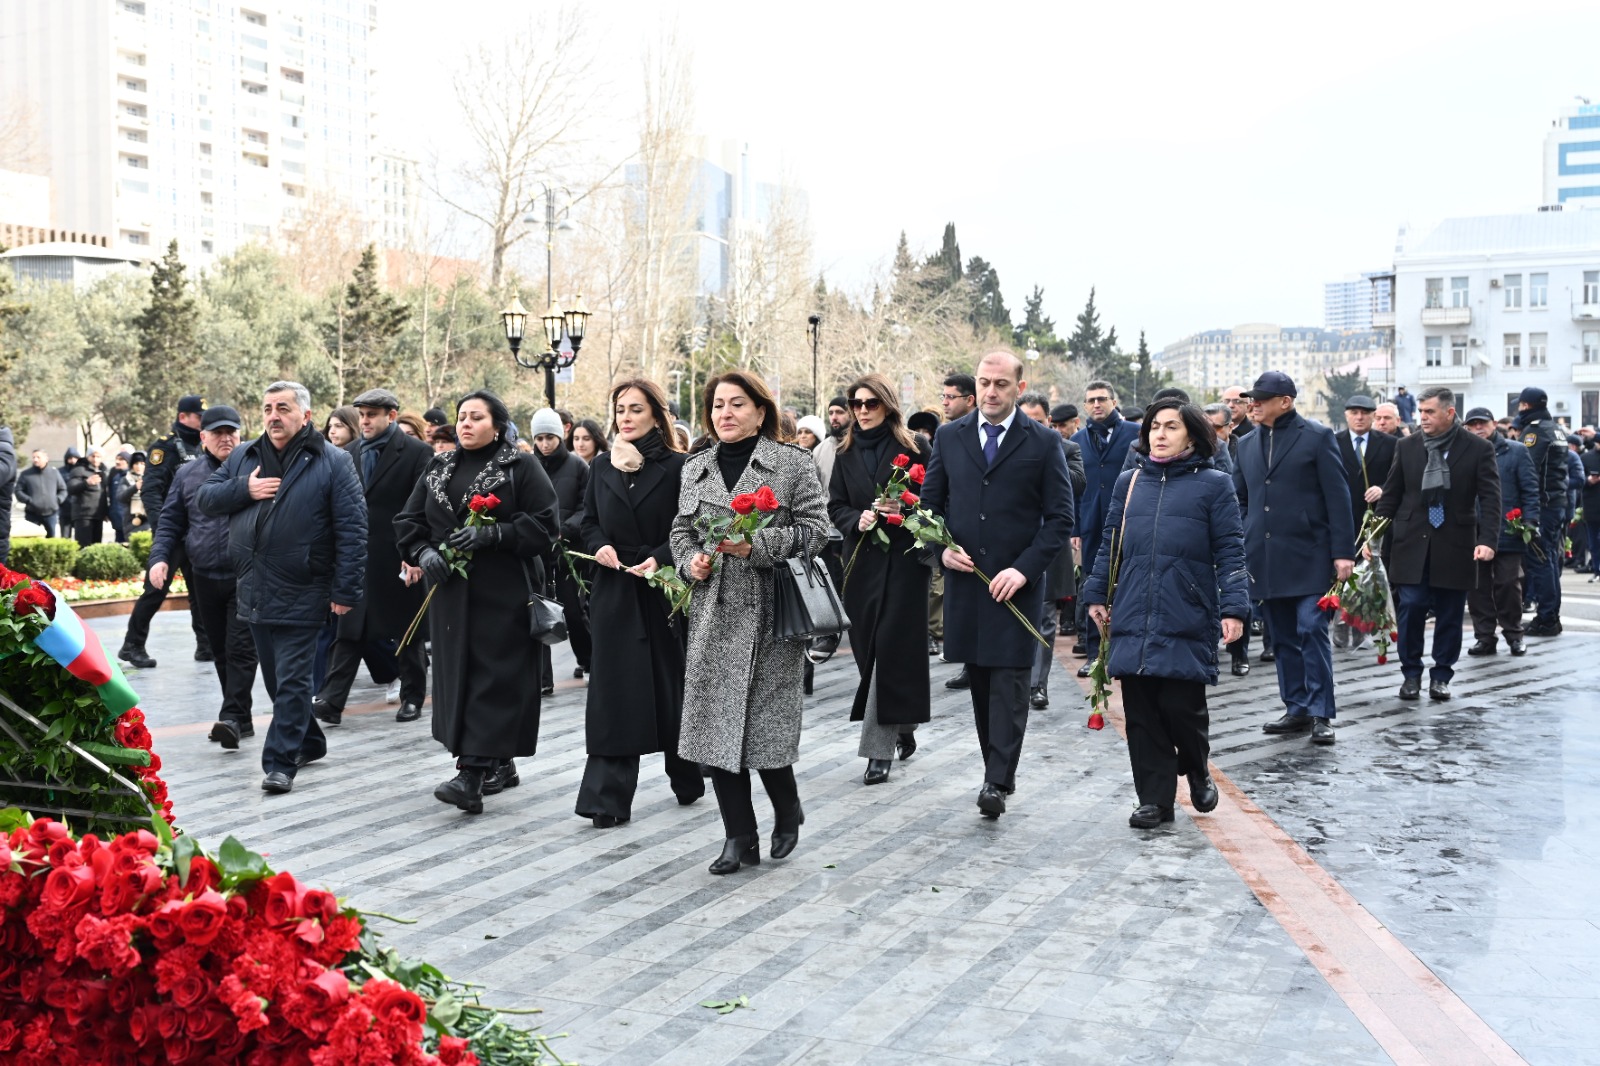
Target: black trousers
column 1168, row 734
column 346, row 655
column 152, row 598
column 89, row 531
column 1499, row 604
column 733, row 797
column 610, row 781
column 1000, row 711
column 285, row 653
column 216, row 601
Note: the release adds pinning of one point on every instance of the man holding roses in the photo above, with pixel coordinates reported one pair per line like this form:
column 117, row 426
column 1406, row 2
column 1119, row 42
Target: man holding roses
column 1000, row 482
column 1500, row 601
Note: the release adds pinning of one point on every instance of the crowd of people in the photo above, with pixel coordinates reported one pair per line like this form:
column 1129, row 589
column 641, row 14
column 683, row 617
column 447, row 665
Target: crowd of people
column 1169, row 534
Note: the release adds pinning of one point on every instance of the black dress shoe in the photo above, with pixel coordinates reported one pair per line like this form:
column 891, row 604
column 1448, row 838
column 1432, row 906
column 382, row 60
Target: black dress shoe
column 277, row 783
column 1321, row 731
column 877, row 772
column 786, row 830
column 905, row 745
column 1083, row 671
column 1411, row 688
column 1439, row 690
column 1483, row 647
column 408, row 712
column 1081, row 650
column 961, row 680
column 1516, row 646
column 203, row 655
column 737, row 852
column 607, row 821
column 226, row 734
column 135, row 656
column 503, row 777
column 305, row 758
column 577, row 673
column 1289, row 723
column 1268, row 656
column 689, row 799
column 548, row 689
column 991, row 801
column 465, row 790
column 1149, row 816
column 1241, row 666
column 1039, row 699
column 324, row 711
column 1255, row 628
column 1541, row 629
column 1203, row 792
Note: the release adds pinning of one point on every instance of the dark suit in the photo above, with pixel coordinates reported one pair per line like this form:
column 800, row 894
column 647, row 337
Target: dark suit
column 1105, row 454
column 1432, row 566
column 1060, row 580
column 373, row 628
column 1016, row 513
column 1296, row 505
column 1379, row 451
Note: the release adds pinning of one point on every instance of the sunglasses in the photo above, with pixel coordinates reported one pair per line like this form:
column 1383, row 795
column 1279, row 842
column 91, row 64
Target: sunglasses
column 872, row 403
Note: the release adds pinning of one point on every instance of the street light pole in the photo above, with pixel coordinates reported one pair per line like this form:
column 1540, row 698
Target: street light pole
column 557, row 323
column 815, row 330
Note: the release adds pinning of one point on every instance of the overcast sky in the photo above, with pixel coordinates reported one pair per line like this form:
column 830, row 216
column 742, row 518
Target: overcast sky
column 1202, row 165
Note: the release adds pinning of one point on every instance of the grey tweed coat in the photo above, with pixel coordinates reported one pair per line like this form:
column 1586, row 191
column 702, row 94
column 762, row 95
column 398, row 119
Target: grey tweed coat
column 741, row 698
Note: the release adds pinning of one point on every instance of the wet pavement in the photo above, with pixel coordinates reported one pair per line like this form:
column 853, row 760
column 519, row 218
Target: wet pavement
column 905, row 928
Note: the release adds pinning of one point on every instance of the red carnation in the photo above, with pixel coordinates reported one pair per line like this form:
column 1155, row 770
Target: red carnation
column 902, row 460
column 107, row 944
column 909, row 499
column 454, row 1051
column 895, row 519
column 8, row 578
column 766, row 499
column 1097, row 720
column 743, row 503
column 917, row 473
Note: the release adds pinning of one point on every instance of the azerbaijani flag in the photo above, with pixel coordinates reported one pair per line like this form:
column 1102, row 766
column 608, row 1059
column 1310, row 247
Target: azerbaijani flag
column 76, row 647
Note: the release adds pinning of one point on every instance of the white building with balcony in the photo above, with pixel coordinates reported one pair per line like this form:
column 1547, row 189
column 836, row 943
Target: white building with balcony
column 199, row 120
column 1214, row 359
column 1493, row 304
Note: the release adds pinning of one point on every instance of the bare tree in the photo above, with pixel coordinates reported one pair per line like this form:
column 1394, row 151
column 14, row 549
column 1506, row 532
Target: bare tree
column 21, row 144
column 323, row 245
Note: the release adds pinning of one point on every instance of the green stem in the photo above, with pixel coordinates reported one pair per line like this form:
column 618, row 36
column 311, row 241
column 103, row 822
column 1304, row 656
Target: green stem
column 390, row 917
column 1013, row 608
column 411, row 631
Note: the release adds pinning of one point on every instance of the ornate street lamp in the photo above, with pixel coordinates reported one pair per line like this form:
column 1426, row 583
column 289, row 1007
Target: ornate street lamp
column 558, row 324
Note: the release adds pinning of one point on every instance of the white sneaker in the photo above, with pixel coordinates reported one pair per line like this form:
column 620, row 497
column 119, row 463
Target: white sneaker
column 393, row 695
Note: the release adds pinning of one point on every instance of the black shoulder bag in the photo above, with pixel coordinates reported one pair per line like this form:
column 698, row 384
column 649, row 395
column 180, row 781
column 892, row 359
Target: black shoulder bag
column 547, row 619
column 804, row 603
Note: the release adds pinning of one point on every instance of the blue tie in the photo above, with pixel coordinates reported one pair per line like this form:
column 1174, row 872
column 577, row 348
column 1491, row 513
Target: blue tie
column 991, row 445
column 1436, row 515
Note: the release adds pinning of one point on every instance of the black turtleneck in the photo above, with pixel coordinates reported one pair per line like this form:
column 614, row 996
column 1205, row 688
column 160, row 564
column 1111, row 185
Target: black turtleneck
column 733, row 458
column 191, row 437
column 469, row 464
column 553, row 462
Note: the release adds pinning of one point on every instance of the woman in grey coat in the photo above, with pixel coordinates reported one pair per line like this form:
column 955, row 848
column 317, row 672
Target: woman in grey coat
column 741, row 701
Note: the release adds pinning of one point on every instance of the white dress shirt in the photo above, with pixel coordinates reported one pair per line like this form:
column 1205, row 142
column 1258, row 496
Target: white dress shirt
column 1005, row 427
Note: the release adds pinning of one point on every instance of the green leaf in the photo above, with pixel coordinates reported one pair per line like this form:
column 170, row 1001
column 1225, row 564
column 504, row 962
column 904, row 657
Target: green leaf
column 14, row 818
column 446, row 1010
column 934, row 887
column 831, row 866
column 238, row 863
column 183, row 852
column 162, row 829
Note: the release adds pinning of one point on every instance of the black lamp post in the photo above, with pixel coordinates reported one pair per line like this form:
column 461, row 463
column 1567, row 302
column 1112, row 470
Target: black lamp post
column 557, row 322
column 814, row 327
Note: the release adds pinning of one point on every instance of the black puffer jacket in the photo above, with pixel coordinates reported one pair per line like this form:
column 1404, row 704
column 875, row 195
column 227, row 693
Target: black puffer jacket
column 203, row 536
column 570, row 476
column 8, row 489
column 301, row 549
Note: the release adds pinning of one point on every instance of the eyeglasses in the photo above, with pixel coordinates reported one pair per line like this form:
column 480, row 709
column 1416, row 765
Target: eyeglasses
column 871, row 403
column 1097, row 399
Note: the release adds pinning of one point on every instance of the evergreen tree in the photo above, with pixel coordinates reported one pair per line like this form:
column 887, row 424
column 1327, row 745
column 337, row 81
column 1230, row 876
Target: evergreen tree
column 1088, row 344
column 1338, row 388
column 361, row 332
column 1038, row 330
column 943, row 268
column 988, row 305
column 167, row 354
column 10, row 412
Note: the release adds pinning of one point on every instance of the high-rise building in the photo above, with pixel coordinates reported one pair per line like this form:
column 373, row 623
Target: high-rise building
column 207, row 121
column 1572, row 157
column 1349, row 303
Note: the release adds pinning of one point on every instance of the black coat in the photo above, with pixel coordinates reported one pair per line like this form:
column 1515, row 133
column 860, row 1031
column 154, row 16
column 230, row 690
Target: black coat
column 88, row 501
column 886, row 595
column 1062, row 572
column 1380, row 456
column 42, row 491
column 388, row 606
column 570, row 479
column 1017, row 513
column 1296, row 507
column 8, row 488
column 485, row 665
column 202, row 537
column 1472, row 513
column 300, row 550
column 635, row 701
column 1590, row 497
column 162, row 460
column 1519, row 490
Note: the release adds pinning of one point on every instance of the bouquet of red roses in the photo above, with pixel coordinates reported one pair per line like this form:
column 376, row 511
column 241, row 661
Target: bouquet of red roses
column 1518, row 528
column 892, row 496
column 478, row 509
column 752, row 511
column 1362, row 599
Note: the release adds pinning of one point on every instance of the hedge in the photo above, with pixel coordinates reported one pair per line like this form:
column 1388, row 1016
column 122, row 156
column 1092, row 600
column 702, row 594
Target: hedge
column 44, row 557
column 140, row 544
column 106, row 562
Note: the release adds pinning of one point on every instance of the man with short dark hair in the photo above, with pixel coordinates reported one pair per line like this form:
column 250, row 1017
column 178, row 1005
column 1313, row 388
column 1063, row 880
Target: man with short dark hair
column 958, row 396
column 42, row 491
column 1104, row 441
column 1443, row 493
column 1405, row 405
column 1499, row 601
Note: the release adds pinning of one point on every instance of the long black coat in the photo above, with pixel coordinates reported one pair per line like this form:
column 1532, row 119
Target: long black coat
column 485, row 693
column 1296, row 505
column 1472, row 513
column 887, row 594
column 570, row 478
column 389, row 606
column 635, row 704
column 1017, row 513
column 1380, row 457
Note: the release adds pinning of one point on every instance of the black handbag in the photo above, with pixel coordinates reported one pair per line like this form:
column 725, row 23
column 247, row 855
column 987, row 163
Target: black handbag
column 547, row 618
column 804, row 602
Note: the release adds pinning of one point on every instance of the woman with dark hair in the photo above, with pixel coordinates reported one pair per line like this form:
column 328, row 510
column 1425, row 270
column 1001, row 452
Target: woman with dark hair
column 741, row 702
column 589, row 440
column 484, row 710
column 886, row 593
column 342, row 427
column 635, row 704
column 1170, row 582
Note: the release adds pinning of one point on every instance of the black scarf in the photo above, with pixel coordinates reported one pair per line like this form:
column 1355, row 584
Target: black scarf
column 273, row 461
column 733, row 458
column 871, row 442
column 1100, row 430
column 653, row 446
column 553, row 462
column 1532, row 415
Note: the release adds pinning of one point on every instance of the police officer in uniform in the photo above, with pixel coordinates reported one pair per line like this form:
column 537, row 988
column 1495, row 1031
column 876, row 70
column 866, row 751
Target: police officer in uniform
column 1547, row 445
column 161, row 462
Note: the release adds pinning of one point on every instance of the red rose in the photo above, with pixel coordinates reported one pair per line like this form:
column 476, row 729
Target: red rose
column 68, row 887
column 284, row 896
column 902, row 460
column 320, row 905
column 1383, row 660
column 1514, row 514
column 202, row 917
column 1097, row 720
column 33, row 596
column 917, row 473
column 328, row 992
column 766, row 499
column 909, row 499
column 895, row 519
column 203, row 875
column 476, row 505
column 743, row 503
column 453, row 1051
column 207, row 1023
column 394, row 1005
column 193, row 988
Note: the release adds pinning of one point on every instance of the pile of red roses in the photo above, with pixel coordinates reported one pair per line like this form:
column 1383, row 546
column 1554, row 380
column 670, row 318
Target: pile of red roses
column 145, row 950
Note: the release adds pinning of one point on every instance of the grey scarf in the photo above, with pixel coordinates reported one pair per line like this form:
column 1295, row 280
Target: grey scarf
column 1436, row 475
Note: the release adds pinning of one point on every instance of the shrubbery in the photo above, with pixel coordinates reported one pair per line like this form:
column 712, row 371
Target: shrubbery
column 140, row 543
column 44, row 557
column 106, row 562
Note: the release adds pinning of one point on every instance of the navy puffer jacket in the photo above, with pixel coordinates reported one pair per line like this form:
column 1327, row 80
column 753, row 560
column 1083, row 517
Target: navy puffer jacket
column 204, row 537
column 1182, row 570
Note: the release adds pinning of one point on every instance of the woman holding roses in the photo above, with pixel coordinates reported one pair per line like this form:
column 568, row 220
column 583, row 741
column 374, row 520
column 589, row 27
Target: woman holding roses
column 741, row 703
column 886, row 591
column 485, row 709
column 635, row 698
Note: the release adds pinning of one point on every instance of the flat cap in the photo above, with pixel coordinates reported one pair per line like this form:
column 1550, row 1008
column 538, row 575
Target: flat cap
column 219, row 417
column 1360, row 403
column 1478, row 414
column 377, row 398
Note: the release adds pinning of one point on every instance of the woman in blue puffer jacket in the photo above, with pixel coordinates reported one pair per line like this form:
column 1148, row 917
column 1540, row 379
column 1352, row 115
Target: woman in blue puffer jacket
column 1177, row 546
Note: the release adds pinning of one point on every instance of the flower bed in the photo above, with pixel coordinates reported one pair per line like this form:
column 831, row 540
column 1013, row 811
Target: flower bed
column 77, row 590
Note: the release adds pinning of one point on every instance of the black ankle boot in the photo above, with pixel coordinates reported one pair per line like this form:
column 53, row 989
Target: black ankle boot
column 737, row 852
column 786, row 833
column 465, row 790
column 503, row 777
